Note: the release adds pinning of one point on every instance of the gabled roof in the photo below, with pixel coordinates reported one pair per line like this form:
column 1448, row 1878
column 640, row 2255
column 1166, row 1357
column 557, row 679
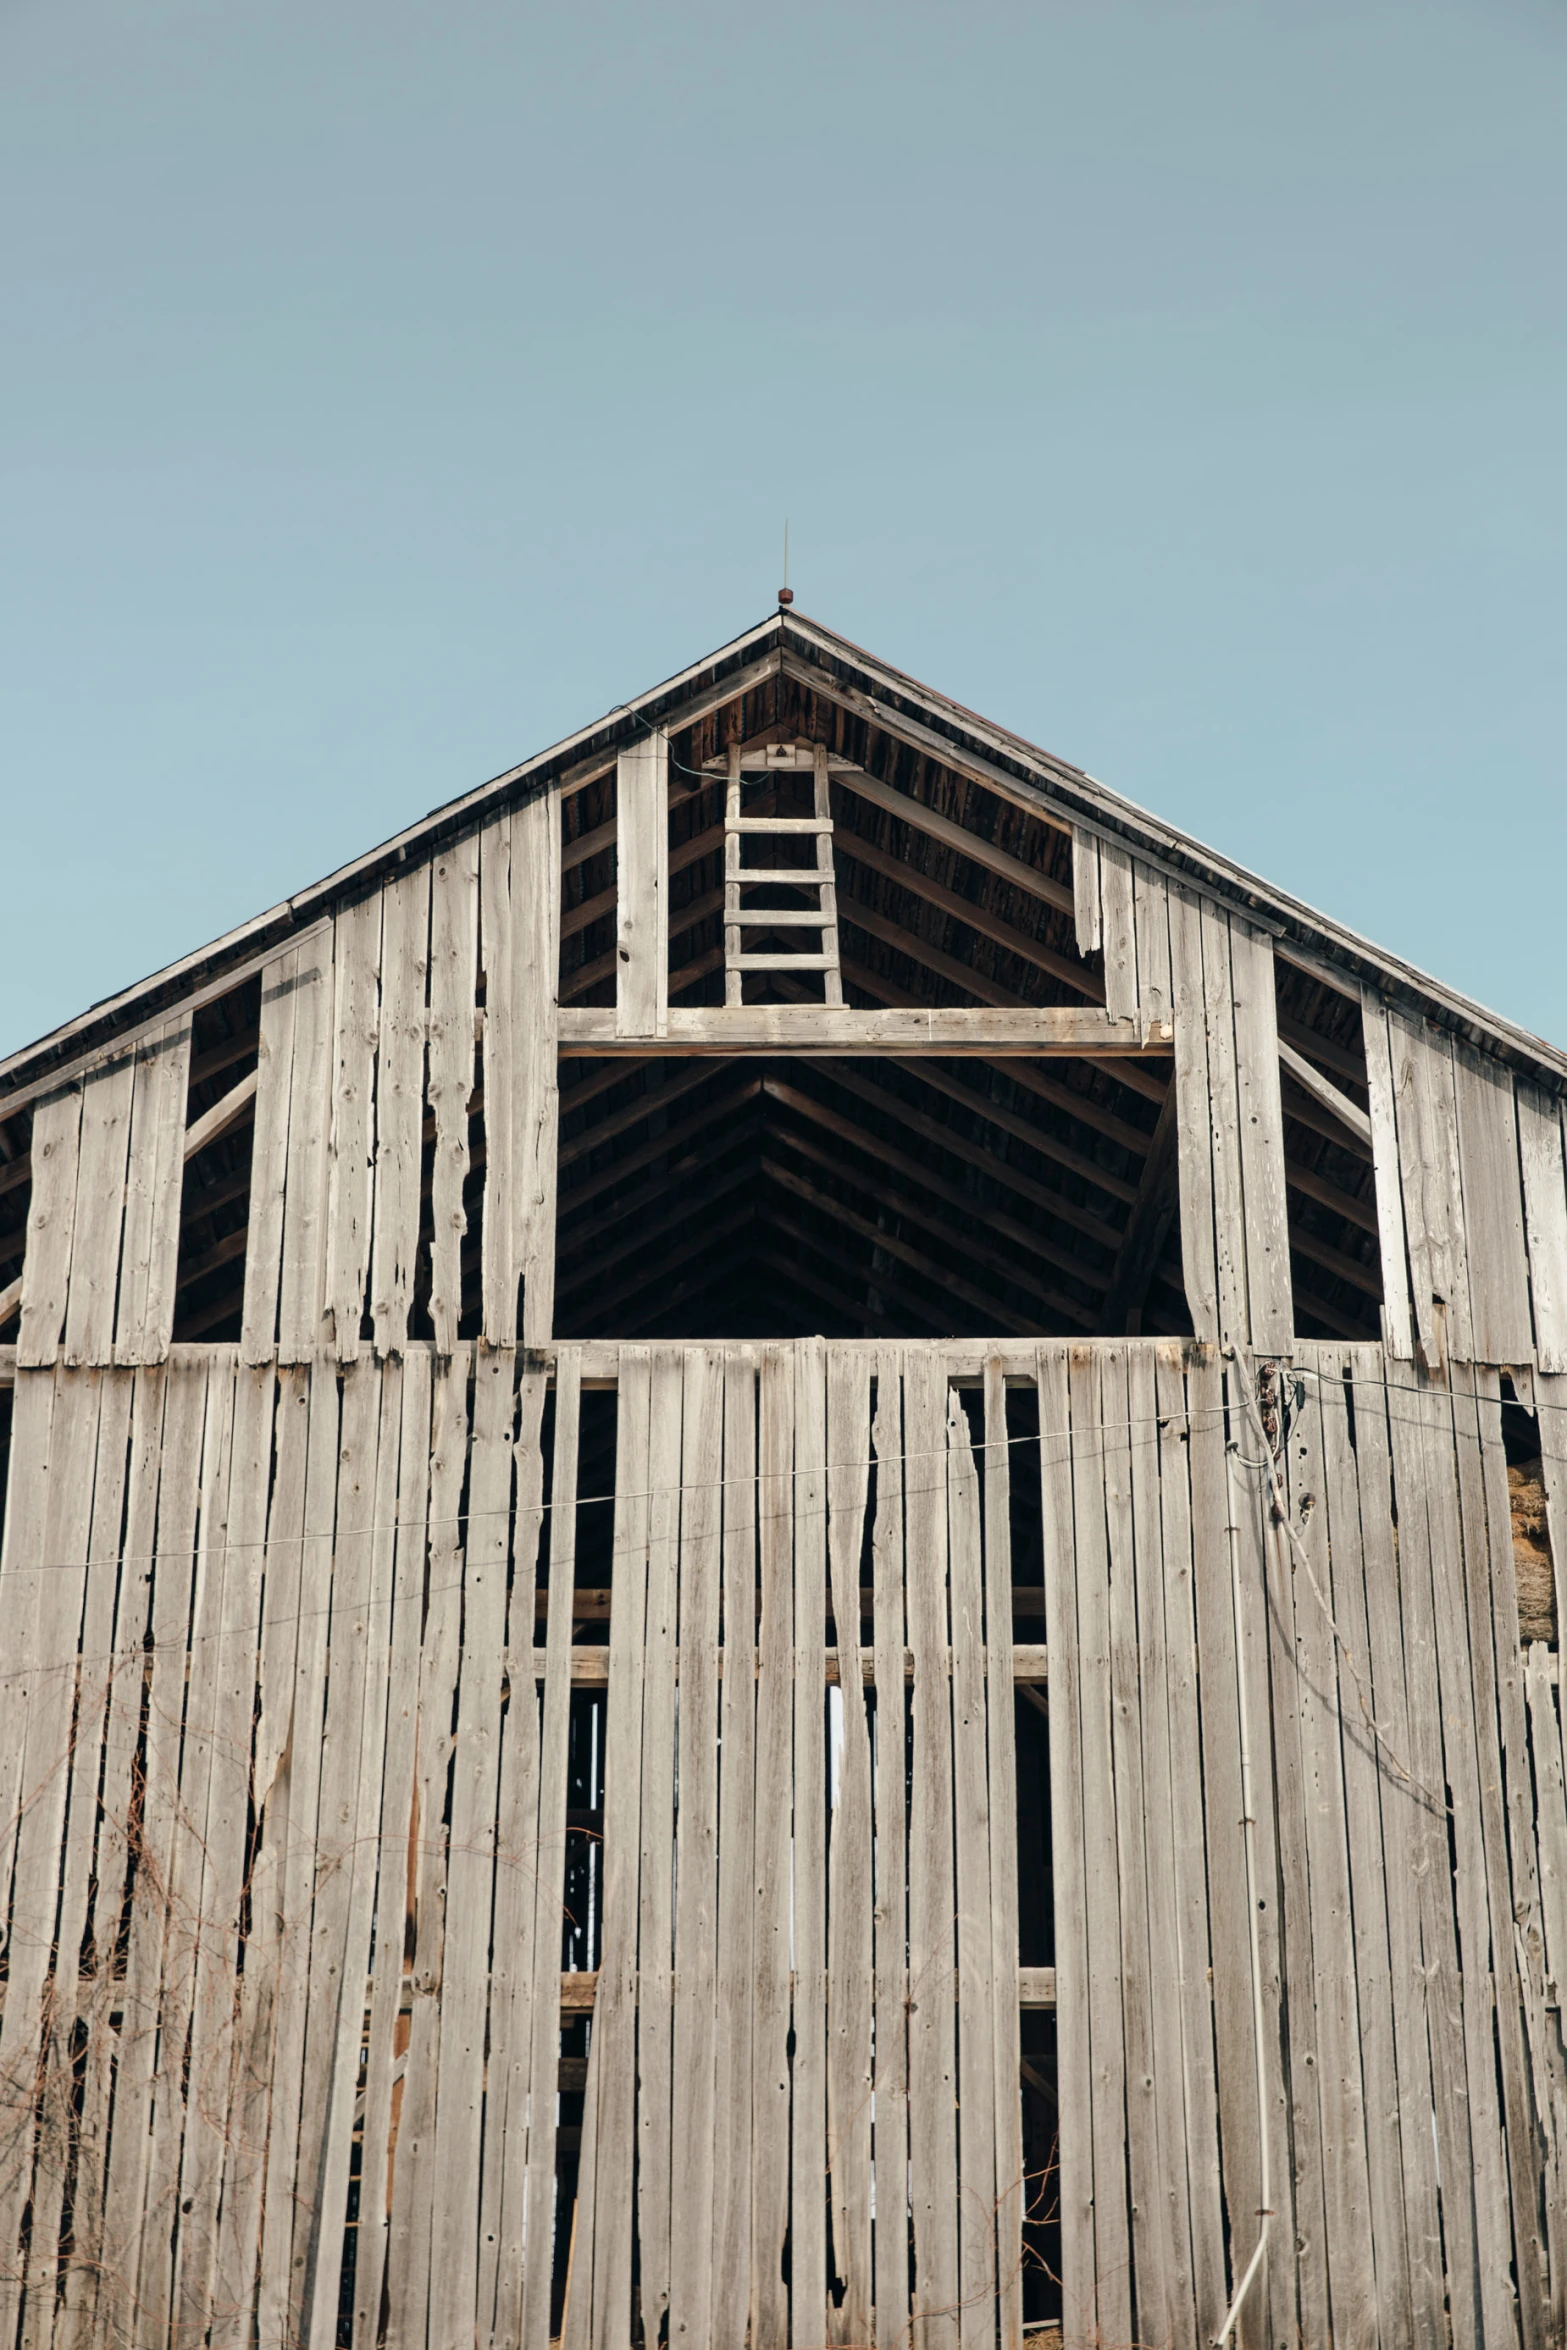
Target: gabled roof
column 898, row 705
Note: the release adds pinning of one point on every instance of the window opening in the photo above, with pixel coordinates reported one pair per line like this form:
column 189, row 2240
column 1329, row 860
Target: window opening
column 1335, row 1260
column 855, row 1198
column 1534, row 1567
column 16, row 1198
column 209, row 1281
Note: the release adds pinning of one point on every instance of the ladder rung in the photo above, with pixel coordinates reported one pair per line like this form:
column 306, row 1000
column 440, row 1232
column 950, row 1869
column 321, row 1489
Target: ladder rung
column 778, row 824
column 797, row 876
column 780, row 918
column 781, row 963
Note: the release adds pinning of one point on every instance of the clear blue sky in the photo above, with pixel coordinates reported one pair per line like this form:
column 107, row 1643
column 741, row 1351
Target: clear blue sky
column 386, row 390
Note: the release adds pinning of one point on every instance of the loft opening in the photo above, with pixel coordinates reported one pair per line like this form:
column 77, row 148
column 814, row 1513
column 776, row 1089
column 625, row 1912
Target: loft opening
column 866, row 1197
column 1335, row 1261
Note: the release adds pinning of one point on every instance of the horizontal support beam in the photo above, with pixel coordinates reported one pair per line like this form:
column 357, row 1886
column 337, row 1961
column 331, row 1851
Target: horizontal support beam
column 590, row 1666
column 1036, row 1988
column 832, row 1028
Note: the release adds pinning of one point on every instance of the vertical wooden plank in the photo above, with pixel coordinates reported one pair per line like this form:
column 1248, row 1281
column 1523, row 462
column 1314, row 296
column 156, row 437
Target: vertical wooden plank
column 933, row 2083
column 536, row 919
column 1404, row 1808
column 1117, row 931
column 1147, row 1839
column 1085, row 890
column 736, row 1884
column 1507, row 1823
column 642, row 916
column 1075, row 2151
column 34, row 2153
column 356, row 1021
column 344, row 1851
column 1261, row 1125
column 51, row 1216
column 269, row 1157
column 1433, row 1194
column 1194, row 1118
column 148, row 2106
column 119, row 2060
column 471, row 1857
column 149, row 1253
column 1545, row 1215
column 1464, row 1772
column 733, row 933
column 216, row 2158
column 1366, row 1861
column 1004, row 1943
column 1338, row 2039
column 1091, row 1410
column 539, row 2237
column 1229, row 1207
column 1397, row 1328
column 695, row 2004
column 302, row 1281
column 399, row 1104
column 771, row 1851
column 1188, row 1848
column 599, row 2306
column 808, row 2205
column 1229, row 1924
column 103, row 1149
column 978, row 1986
column 891, row 2227
column 506, row 2266
column 397, row 1849
column 522, row 1872
column 1546, row 1740
column 454, row 953
column 69, row 2124
column 655, row 1980
column 497, row 960
column 827, row 888
column 1493, row 1209
column 1432, row 1867
column 850, row 1947
column 1151, row 2235
column 1151, row 914
column 415, row 2184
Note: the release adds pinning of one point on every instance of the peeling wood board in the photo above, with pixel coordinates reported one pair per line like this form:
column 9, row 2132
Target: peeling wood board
column 149, row 1251
column 1397, row 1327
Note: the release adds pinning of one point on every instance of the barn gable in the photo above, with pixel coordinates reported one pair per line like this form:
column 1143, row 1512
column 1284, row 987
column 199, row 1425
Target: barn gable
column 783, row 1548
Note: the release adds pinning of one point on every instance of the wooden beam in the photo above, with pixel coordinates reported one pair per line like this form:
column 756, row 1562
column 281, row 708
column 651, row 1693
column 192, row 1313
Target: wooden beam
column 915, row 1258
column 827, row 1028
column 1125, row 1071
column 642, row 922
column 885, row 1283
column 1349, row 1114
column 1148, row 1227
column 237, row 1103
column 579, row 1194
column 975, row 1154
column 953, row 836
column 1321, row 1048
column 977, row 917
column 921, row 1172
column 695, row 1199
column 1366, row 1278
column 708, row 1237
column 1297, row 1104
column 633, row 1113
column 1328, row 1195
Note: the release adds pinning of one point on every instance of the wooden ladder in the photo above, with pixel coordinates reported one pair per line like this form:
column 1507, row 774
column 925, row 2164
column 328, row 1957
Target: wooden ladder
column 739, row 918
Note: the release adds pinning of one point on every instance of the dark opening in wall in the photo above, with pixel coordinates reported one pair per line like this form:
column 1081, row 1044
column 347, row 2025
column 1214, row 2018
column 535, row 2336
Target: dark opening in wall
column 1335, row 1260
column 209, row 1281
column 16, row 1198
column 1534, row 1565
column 855, row 1198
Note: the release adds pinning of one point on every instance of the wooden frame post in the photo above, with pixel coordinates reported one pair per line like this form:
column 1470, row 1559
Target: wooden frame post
column 642, row 913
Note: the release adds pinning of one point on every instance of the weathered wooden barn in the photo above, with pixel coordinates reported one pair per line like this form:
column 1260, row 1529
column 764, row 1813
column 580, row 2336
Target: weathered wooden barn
column 785, row 1524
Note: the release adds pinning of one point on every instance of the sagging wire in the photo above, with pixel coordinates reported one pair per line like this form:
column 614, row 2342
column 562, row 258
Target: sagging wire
column 1273, row 1420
